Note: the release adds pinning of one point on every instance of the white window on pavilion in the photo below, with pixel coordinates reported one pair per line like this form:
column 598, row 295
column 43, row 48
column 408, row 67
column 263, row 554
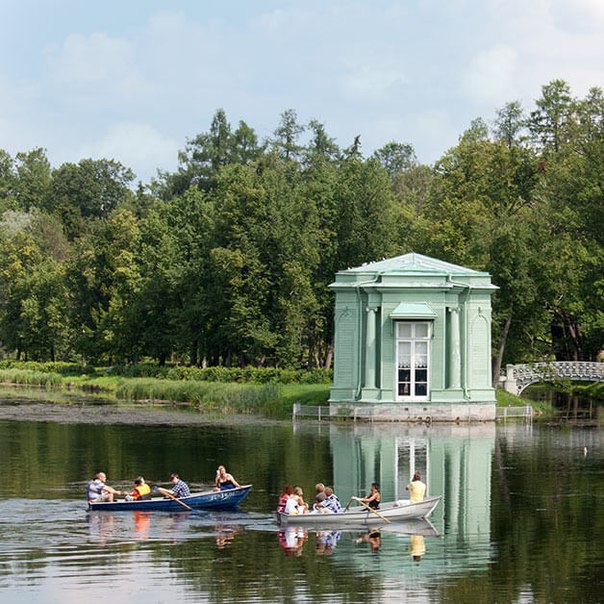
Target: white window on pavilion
column 412, row 359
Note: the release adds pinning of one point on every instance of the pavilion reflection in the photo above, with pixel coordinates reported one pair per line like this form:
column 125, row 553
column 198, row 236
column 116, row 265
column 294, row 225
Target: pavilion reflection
column 454, row 460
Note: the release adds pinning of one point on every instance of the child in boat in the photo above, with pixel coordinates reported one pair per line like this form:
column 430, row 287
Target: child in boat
column 332, row 502
column 298, row 495
column 141, row 490
column 288, row 491
column 295, row 503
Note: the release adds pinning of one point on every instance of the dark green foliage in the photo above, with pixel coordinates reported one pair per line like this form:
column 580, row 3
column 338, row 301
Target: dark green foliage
column 225, row 264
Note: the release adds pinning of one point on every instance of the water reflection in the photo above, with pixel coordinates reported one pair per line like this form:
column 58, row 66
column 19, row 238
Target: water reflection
column 520, row 503
column 292, row 540
column 326, row 541
column 455, row 460
column 417, row 547
column 373, row 538
column 576, row 408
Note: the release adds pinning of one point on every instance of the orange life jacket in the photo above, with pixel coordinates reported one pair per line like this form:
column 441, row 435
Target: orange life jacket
column 141, row 490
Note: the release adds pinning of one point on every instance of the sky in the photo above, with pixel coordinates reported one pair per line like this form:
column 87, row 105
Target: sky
column 133, row 80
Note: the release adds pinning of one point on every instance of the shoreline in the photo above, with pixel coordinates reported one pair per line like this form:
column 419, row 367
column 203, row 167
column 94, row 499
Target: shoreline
column 17, row 405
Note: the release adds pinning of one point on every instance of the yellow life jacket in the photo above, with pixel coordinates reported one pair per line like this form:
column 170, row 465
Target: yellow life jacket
column 141, row 490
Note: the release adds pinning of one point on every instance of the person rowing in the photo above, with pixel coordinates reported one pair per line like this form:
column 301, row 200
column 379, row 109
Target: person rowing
column 179, row 490
column 374, row 497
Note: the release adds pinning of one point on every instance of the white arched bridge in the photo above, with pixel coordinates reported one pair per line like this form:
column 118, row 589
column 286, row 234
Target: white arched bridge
column 518, row 377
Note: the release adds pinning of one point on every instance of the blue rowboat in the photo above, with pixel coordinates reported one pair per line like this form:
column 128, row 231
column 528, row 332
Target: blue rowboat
column 210, row 500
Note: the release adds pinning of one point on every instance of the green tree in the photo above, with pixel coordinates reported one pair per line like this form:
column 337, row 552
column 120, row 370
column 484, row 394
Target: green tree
column 509, row 124
column 287, row 134
column 34, row 301
column 396, row 158
column 551, row 122
column 33, row 181
column 207, row 153
column 89, row 190
column 365, row 211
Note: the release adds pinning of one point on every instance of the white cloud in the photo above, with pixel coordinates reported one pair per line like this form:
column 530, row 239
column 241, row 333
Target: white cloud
column 370, row 83
column 134, row 89
column 137, row 146
column 490, row 76
column 91, row 59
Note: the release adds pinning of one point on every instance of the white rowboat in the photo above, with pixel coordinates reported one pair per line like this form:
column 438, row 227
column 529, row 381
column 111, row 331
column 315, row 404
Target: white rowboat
column 393, row 511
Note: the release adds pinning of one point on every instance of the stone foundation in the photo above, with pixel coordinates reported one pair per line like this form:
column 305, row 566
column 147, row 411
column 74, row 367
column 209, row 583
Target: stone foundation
column 428, row 413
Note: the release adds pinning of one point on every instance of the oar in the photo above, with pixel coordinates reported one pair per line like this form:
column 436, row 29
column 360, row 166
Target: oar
column 166, row 492
column 351, row 500
column 374, row 511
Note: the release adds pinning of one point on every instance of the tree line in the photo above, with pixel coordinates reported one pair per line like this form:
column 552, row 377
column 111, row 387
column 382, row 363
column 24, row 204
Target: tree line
column 226, row 260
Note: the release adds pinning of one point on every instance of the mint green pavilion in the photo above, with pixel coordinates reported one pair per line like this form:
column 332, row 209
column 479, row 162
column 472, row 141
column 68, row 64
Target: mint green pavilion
column 413, row 342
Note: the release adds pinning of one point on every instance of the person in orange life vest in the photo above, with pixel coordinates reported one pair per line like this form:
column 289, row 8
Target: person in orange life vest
column 142, row 490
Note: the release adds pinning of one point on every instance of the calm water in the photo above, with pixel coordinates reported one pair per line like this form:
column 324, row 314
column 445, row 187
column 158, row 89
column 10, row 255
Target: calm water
column 522, row 518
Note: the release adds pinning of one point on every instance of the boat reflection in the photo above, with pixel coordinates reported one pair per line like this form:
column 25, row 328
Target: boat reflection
column 292, row 538
column 106, row 528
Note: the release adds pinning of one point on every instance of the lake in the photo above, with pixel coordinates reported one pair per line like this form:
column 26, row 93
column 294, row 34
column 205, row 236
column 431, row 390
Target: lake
column 521, row 518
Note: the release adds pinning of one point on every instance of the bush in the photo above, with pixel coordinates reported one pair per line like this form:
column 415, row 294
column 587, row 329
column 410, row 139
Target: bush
column 59, row 367
column 252, row 375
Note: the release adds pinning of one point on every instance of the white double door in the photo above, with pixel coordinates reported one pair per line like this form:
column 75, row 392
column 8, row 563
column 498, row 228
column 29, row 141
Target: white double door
column 412, row 360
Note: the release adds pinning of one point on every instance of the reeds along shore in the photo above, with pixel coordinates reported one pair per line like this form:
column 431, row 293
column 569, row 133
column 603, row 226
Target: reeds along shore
column 272, row 399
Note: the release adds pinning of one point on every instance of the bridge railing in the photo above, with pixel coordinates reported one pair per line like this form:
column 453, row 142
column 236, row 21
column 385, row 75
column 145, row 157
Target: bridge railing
column 518, row 377
column 523, row 412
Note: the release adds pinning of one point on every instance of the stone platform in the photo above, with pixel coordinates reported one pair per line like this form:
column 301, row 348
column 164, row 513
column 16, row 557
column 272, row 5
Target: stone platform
column 428, row 413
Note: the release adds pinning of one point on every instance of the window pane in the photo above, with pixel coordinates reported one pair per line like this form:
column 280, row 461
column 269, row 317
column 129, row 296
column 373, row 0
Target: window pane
column 421, row 389
column 421, row 348
column 404, row 354
column 404, row 330
column 421, row 375
column 404, row 389
column 421, row 330
column 421, row 361
column 404, row 375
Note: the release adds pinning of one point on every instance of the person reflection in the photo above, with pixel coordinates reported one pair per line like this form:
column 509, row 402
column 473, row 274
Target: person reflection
column 178, row 522
column 225, row 535
column 326, row 542
column 100, row 526
column 374, row 538
column 142, row 524
column 417, row 547
column 291, row 540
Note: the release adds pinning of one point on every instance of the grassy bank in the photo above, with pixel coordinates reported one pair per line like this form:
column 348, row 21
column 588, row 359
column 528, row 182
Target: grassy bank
column 270, row 399
column 31, row 378
column 253, row 391
column 507, row 399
